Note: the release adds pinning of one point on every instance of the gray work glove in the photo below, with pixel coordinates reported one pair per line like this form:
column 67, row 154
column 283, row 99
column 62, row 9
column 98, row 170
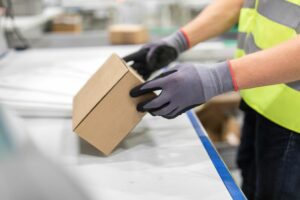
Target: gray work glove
column 158, row 54
column 184, row 87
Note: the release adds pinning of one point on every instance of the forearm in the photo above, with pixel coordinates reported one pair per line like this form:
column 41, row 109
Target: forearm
column 214, row 20
column 280, row 64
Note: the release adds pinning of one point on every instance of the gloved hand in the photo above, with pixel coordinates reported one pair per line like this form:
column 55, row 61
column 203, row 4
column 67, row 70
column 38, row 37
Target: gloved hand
column 184, row 87
column 158, row 54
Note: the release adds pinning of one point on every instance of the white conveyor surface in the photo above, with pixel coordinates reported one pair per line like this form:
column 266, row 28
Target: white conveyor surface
column 160, row 159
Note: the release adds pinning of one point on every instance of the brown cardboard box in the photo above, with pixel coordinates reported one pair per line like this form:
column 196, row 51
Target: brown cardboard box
column 231, row 132
column 128, row 34
column 217, row 113
column 67, row 23
column 103, row 111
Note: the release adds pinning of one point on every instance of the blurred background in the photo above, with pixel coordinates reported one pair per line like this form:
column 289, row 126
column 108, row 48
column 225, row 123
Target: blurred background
column 71, row 23
column 50, row 37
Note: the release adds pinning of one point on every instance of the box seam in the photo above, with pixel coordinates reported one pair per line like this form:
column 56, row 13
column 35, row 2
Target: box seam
column 100, row 100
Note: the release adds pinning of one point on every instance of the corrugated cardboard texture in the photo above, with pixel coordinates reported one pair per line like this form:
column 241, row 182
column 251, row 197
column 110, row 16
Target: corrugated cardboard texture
column 112, row 117
column 97, row 87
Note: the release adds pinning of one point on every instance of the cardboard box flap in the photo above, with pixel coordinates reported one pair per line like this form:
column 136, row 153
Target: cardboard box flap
column 97, row 87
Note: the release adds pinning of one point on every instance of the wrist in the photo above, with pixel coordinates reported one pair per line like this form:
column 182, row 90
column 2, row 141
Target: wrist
column 215, row 79
column 223, row 76
column 179, row 40
column 186, row 37
column 234, row 82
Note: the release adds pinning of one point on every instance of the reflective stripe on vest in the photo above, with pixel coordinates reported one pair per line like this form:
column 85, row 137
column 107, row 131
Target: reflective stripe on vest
column 249, row 4
column 264, row 24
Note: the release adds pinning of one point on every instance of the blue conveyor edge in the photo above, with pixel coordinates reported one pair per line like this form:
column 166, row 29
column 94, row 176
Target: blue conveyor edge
column 220, row 166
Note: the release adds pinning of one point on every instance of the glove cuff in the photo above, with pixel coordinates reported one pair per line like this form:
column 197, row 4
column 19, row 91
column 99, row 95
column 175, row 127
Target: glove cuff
column 223, row 72
column 235, row 85
column 178, row 40
column 216, row 79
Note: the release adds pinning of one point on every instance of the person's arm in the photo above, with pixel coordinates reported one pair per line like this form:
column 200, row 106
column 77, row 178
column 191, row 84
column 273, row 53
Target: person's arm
column 215, row 19
column 189, row 85
column 280, row 64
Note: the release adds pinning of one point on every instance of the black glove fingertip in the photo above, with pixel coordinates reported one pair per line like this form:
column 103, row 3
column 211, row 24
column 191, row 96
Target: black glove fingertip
column 135, row 92
column 151, row 113
column 167, row 117
column 140, row 107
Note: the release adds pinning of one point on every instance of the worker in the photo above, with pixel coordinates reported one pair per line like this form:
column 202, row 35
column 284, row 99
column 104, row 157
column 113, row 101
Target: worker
column 266, row 71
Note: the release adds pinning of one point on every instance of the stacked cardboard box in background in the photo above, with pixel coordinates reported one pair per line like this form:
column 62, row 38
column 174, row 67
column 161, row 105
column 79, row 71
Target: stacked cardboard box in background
column 128, row 34
column 70, row 23
column 221, row 119
column 218, row 117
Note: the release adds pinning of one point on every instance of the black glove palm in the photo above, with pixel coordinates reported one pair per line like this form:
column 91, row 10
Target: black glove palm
column 156, row 55
column 151, row 58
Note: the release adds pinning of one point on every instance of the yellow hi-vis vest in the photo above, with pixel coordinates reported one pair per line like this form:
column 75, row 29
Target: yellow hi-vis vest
column 264, row 24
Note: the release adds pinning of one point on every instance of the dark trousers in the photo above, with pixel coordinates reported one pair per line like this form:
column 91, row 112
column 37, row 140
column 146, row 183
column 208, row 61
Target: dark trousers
column 269, row 159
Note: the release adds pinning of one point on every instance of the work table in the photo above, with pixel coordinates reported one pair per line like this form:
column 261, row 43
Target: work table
column 160, row 159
